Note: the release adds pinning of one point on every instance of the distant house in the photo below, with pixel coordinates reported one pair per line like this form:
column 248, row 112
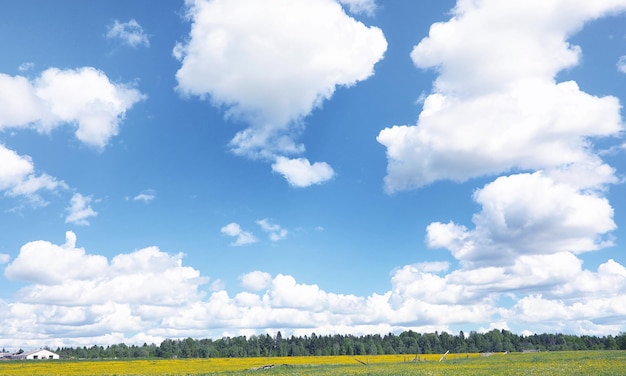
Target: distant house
column 36, row 354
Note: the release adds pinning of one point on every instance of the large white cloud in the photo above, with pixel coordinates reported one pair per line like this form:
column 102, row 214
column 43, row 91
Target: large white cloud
column 527, row 214
column 271, row 63
column 75, row 298
column 70, row 294
column 495, row 104
column 83, row 97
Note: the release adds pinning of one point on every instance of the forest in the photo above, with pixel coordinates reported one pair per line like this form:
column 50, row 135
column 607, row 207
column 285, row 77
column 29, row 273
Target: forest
column 408, row 342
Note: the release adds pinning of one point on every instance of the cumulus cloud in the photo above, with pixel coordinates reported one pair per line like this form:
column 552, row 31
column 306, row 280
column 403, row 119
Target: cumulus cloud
column 80, row 210
column 44, row 263
column 527, row 214
column 130, row 33
column 270, row 64
column 256, row 280
column 18, row 177
column 300, row 173
column 75, row 298
column 241, row 237
column 275, row 232
column 495, row 104
column 75, row 293
column 83, row 97
column 496, row 108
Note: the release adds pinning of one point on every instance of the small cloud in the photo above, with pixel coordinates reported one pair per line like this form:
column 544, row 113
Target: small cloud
column 26, row 66
column 242, row 237
column 80, row 209
column 131, row 33
column 4, row 258
column 276, row 232
column 366, row 7
column 145, row 196
column 300, row 173
column 621, row 64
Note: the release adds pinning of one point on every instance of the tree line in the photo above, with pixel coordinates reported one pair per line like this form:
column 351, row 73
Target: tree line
column 408, row 342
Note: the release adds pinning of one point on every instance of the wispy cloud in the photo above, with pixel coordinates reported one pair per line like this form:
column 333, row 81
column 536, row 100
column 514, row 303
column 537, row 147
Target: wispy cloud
column 241, row 237
column 24, row 67
column 621, row 64
column 275, row 232
column 145, row 196
column 367, row 7
column 130, row 33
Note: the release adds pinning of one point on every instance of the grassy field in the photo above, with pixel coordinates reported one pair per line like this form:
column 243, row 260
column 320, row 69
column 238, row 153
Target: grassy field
column 547, row 363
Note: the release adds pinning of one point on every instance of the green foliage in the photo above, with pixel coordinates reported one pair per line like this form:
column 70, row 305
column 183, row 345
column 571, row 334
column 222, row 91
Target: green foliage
column 408, row 342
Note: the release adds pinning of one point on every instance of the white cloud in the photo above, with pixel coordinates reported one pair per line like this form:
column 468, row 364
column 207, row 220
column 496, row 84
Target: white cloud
column 4, row 258
column 621, row 64
column 63, row 304
column 256, row 280
column 84, row 97
column 80, row 210
column 44, row 263
column 18, row 177
column 269, row 64
column 131, row 33
column 300, row 173
column 242, row 237
column 496, row 108
column 367, row 7
column 276, row 232
column 495, row 104
column 90, row 299
column 527, row 214
column 146, row 196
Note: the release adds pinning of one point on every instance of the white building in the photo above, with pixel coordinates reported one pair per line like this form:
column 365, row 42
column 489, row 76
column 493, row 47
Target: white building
column 36, row 354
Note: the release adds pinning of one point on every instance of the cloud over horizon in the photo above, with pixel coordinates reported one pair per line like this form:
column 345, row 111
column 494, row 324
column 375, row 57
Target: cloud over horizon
column 63, row 305
column 489, row 115
column 493, row 201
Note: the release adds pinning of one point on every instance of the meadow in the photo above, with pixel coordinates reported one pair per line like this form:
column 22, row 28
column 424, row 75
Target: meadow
column 545, row 363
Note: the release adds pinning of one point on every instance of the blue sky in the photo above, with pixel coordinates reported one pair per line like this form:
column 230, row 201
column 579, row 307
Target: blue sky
column 236, row 167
